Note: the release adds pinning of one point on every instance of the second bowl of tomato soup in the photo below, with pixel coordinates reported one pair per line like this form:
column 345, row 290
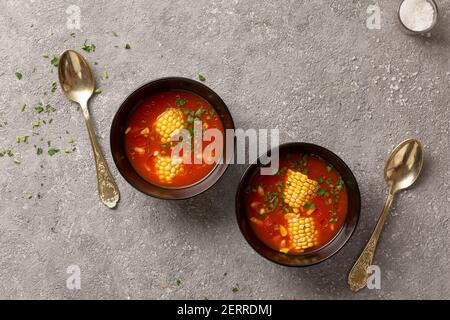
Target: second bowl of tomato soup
column 305, row 211
column 168, row 138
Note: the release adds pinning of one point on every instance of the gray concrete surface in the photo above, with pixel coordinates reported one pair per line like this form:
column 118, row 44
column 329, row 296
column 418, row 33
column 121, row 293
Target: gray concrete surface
column 310, row 68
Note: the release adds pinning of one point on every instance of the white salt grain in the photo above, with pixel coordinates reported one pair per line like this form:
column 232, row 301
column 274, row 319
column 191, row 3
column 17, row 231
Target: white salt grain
column 417, row 15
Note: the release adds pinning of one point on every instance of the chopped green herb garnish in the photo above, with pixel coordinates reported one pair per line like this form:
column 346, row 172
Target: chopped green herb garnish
column 19, row 75
column 190, row 119
column 115, row 34
column 199, row 112
column 309, row 206
column 55, row 61
column 186, row 111
column 39, row 151
column 88, row 47
column 127, row 46
column 53, row 86
column 320, row 180
column 36, row 123
column 180, row 102
column 321, row 192
column 45, row 56
column 23, row 107
column 201, row 77
column 105, row 75
column 236, row 289
column 333, row 220
column 17, row 161
column 329, row 181
column 178, row 282
column 98, row 91
column 52, row 151
column 39, row 108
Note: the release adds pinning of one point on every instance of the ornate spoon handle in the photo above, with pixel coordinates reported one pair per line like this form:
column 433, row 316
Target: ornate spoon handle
column 357, row 278
column 107, row 187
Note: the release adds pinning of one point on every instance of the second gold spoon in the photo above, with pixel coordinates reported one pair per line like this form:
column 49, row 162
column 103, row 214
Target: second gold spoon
column 77, row 83
column 401, row 171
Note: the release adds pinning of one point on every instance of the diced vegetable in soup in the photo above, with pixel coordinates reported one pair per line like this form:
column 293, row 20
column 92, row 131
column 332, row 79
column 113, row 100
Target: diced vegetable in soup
column 148, row 137
column 299, row 209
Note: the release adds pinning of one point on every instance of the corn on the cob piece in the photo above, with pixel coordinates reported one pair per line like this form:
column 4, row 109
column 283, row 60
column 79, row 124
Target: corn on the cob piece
column 299, row 189
column 302, row 232
column 167, row 168
column 168, row 122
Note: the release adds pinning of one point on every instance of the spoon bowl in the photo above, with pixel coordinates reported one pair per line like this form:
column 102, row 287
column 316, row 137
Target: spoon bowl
column 75, row 76
column 404, row 165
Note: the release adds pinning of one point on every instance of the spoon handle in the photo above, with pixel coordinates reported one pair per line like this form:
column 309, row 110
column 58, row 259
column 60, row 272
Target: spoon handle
column 357, row 278
column 107, row 187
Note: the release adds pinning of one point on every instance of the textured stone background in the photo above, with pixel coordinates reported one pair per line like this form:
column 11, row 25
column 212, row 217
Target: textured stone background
column 310, row 68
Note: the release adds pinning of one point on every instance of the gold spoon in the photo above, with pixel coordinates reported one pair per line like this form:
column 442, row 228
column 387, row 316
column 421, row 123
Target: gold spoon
column 401, row 171
column 77, row 83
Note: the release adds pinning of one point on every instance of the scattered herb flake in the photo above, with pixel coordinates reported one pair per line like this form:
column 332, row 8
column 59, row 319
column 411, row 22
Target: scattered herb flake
column 39, row 151
column 127, row 46
column 52, row 151
column 19, row 75
column 98, row 91
column 55, row 61
column 23, row 107
column 39, row 108
column 105, row 75
column 88, row 47
column 321, row 192
column 201, row 77
column 178, row 282
column 45, row 56
column 320, row 180
column 17, row 161
column 235, row 288
column 115, row 34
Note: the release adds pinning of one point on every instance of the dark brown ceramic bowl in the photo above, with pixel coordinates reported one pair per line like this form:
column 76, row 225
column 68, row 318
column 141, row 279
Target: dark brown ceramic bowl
column 119, row 125
column 332, row 247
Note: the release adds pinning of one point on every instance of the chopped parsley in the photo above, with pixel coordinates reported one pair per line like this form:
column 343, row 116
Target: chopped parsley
column 321, row 192
column 180, row 102
column 55, row 61
column 88, row 47
column 98, row 91
column 52, row 151
column 201, row 77
column 309, row 206
column 39, row 151
column 19, row 75
column 127, row 46
column 39, row 108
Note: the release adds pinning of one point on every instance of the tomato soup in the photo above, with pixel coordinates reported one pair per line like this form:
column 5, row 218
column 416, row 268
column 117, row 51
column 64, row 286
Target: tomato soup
column 299, row 209
column 151, row 127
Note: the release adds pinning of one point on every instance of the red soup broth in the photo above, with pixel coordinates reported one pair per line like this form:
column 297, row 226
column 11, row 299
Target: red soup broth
column 293, row 229
column 146, row 142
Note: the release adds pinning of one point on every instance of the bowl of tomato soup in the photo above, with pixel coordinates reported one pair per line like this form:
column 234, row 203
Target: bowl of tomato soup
column 302, row 213
column 168, row 138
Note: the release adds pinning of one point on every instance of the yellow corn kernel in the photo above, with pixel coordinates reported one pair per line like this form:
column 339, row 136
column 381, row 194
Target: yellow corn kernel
column 302, row 232
column 168, row 168
column 284, row 250
column 256, row 221
column 168, row 123
column 139, row 150
column 299, row 189
column 145, row 131
column 283, row 231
